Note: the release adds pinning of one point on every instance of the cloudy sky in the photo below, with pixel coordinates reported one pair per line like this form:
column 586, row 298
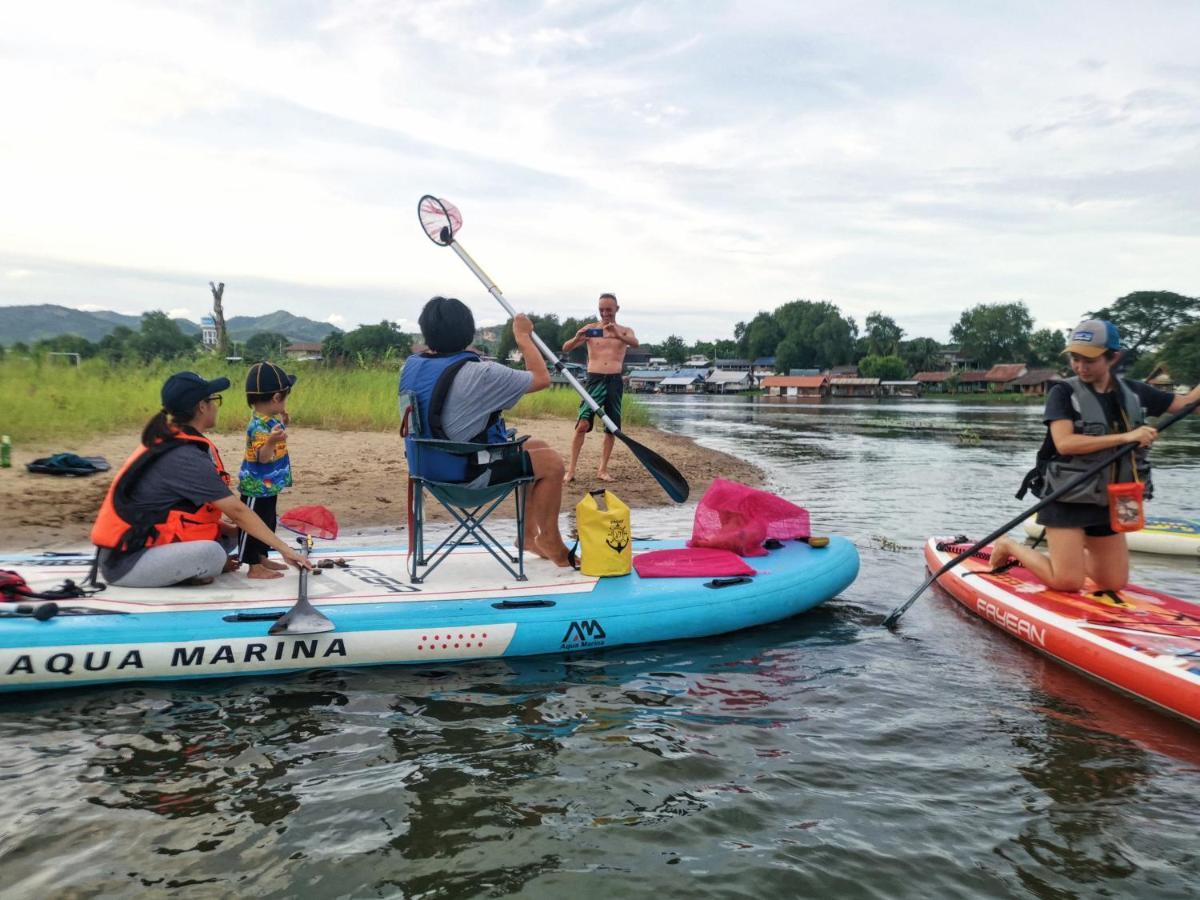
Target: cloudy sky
column 703, row 160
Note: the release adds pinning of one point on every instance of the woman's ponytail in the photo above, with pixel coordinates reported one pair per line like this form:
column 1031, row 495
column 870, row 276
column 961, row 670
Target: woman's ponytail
column 157, row 429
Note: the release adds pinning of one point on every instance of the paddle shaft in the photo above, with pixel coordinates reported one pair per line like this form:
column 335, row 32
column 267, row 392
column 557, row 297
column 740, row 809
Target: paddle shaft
column 895, row 614
column 537, row 340
column 662, row 471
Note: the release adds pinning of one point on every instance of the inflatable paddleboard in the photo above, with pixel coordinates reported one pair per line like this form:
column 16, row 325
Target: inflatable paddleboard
column 1172, row 537
column 1138, row 640
column 466, row 609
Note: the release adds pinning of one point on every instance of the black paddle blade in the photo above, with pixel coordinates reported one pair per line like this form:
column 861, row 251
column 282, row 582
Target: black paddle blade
column 664, row 473
column 894, row 616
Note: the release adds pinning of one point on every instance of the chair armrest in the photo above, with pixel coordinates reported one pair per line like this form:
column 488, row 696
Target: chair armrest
column 466, row 448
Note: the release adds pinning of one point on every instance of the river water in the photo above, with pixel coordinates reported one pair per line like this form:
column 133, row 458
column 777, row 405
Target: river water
column 819, row 757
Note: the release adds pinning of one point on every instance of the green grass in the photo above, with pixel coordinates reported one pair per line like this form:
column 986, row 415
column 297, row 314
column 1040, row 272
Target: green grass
column 563, row 403
column 43, row 400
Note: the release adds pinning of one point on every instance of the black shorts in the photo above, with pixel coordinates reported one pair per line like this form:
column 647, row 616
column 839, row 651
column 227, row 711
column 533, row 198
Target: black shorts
column 518, row 465
column 606, row 390
column 1092, row 518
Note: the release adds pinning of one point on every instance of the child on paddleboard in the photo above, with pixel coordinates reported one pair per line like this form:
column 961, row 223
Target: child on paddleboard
column 266, row 467
column 1087, row 417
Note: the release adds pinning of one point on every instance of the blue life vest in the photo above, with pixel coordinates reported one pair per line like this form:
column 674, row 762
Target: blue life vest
column 429, row 377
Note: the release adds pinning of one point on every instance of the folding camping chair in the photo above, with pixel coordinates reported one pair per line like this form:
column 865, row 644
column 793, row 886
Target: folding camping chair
column 468, row 506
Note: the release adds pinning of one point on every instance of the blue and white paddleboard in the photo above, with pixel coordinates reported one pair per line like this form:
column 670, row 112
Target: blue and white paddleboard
column 1169, row 536
column 467, row 609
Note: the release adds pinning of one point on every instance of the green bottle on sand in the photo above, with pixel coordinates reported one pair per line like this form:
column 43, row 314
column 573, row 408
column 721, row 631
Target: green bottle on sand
column 5, row 452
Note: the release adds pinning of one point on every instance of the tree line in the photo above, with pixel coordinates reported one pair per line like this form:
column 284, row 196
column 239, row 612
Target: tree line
column 159, row 337
column 1156, row 327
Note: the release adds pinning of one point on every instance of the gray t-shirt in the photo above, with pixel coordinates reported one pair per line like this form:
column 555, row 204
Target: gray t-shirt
column 479, row 389
column 186, row 473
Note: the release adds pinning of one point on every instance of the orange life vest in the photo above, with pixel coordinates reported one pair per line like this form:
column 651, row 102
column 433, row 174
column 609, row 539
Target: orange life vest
column 118, row 527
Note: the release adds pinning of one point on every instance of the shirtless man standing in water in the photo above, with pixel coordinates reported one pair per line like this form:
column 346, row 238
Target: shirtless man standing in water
column 606, row 342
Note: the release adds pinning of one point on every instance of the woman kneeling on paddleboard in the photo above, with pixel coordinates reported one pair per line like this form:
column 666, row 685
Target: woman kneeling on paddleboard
column 1087, row 417
column 160, row 523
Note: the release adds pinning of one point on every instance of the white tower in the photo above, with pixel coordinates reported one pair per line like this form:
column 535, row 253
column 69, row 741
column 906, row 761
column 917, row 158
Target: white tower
column 208, row 331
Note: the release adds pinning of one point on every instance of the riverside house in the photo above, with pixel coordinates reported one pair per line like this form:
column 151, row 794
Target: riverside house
column 721, row 381
column 646, row 381
column 812, row 387
column 762, row 367
column 1001, row 376
column 684, row 381
column 933, row 382
column 970, row 381
column 1037, row 381
column 853, row 387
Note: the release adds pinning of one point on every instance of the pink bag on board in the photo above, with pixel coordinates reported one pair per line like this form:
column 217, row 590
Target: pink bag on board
column 736, row 517
column 688, row 563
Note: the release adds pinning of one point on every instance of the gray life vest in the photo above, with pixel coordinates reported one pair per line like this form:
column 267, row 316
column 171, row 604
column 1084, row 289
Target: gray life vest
column 1093, row 422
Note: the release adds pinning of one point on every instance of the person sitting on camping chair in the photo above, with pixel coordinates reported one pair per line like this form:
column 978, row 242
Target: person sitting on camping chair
column 467, row 407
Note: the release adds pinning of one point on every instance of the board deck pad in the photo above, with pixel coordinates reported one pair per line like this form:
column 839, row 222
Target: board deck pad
column 371, row 575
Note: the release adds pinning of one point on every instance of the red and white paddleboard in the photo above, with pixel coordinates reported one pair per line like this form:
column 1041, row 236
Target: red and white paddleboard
column 1138, row 640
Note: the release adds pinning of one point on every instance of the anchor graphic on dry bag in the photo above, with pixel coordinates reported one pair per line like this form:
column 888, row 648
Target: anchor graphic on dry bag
column 604, row 543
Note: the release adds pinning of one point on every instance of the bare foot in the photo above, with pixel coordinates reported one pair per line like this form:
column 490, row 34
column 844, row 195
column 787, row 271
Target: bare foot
column 258, row 570
column 277, row 566
column 568, row 478
column 556, row 554
column 604, row 476
column 1001, row 553
column 532, row 547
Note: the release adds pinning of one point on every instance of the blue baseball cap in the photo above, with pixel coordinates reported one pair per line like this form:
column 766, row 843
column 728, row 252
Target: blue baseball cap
column 183, row 390
column 1093, row 337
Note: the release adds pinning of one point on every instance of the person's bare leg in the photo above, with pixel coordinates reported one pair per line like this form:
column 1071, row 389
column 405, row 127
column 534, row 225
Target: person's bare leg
column 545, row 501
column 605, row 453
column 532, row 524
column 1062, row 570
column 1107, row 561
column 581, row 430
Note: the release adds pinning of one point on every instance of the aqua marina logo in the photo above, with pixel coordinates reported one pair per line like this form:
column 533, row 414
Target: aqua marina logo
column 584, row 631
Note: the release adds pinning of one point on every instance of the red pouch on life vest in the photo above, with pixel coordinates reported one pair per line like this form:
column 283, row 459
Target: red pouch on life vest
column 1125, row 509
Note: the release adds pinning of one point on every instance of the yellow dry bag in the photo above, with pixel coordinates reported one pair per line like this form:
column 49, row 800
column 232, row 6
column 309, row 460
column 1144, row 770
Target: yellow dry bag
column 604, row 544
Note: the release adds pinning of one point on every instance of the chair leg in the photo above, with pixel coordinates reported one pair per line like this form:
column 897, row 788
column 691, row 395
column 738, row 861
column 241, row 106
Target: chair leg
column 470, row 524
column 521, row 498
column 417, row 536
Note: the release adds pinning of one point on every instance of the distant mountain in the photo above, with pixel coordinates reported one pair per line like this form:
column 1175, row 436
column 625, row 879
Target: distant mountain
column 32, row 323
column 298, row 328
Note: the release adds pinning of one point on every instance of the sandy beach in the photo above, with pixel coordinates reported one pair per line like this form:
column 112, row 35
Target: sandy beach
column 361, row 476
